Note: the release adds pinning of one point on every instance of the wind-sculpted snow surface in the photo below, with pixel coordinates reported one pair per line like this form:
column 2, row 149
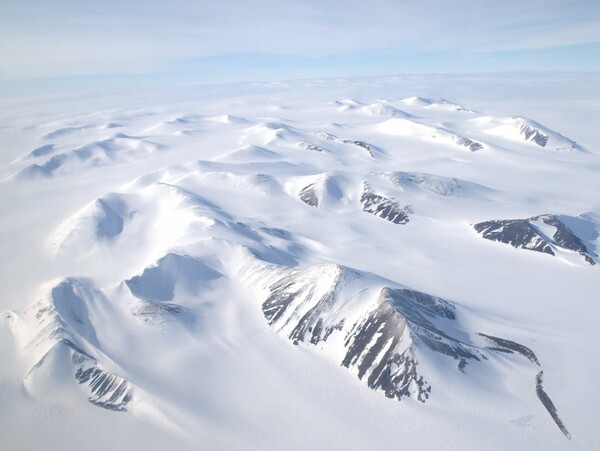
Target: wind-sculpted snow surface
column 65, row 339
column 435, row 104
column 383, row 109
column 157, row 282
column 102, row 220
column 410, row 128
column 119, row 148
column 522, row 129
column 155, row 287
column 235, row 269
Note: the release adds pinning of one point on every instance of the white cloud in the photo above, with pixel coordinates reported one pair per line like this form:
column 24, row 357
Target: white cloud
column 67, row 37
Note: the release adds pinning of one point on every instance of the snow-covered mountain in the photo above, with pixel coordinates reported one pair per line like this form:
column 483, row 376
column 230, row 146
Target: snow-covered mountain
column 232, row 272
column 546, row 233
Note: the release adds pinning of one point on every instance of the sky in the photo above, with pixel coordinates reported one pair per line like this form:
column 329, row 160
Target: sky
column 231, row 40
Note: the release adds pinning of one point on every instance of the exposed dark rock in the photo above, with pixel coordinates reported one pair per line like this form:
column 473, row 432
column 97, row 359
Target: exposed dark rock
column 362, row 144
column 503, row 345
column 308, row 146
column 310, row 326
column 417, row 306
column 419, row 309
column 107, row 390
column 152, row 312
column 379, row 334
column 64, row 327
column 309, row 196
column 518, row 233
column 563, row 237
column 382, row 343
column 533, row 135
column 548, row 404
column 397, row 375
column 526, row 234
column 472, row 145
column 321, row 332
column 384, row 207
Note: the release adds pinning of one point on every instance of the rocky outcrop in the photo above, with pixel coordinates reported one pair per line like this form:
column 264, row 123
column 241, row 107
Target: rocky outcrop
column 380, row 333
column 516, row 232
column 384, row 207
column 531, row 234
column 65, row 339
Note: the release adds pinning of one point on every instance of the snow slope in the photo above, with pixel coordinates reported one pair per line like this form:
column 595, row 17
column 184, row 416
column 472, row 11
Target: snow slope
column 270, row 266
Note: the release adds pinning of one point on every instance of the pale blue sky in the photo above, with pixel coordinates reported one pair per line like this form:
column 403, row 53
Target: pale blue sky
column 266, row 39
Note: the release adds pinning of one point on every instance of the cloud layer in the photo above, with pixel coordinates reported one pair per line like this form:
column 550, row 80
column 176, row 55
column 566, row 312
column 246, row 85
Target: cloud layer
column 68, row 37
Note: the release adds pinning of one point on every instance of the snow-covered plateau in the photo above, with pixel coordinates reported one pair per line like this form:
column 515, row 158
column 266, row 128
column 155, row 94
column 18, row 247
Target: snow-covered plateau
column 367, row 263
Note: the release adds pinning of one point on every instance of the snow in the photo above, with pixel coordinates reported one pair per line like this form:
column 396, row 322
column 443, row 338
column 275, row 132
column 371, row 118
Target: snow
column 153, row 249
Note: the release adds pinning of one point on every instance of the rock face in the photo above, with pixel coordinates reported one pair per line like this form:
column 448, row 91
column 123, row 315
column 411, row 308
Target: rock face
column 377, row 346
column 548, row 404
column 566, row 239
column 533, row 135
column 308, row 307
column 384, row 207
column 473, row 146
column 510, row 347
column 378, row 332
column 524, row 130
column 309, row 195
column 531, row 234
column 532, row 132
column 65, row 338
column 516, row 232
column 107, row 390
column 309, row 146
column 361, row 144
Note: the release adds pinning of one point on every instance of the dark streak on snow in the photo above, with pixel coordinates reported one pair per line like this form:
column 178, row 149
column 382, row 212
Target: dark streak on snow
column 362, row 144
column 522, row 233
column 518, row 233
column 533, row 135
column 102, row 384
column 309, row 196
column 503, row 345
column 565, row 238
column 466, row 142
column 548, row 404
column 384, row 207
